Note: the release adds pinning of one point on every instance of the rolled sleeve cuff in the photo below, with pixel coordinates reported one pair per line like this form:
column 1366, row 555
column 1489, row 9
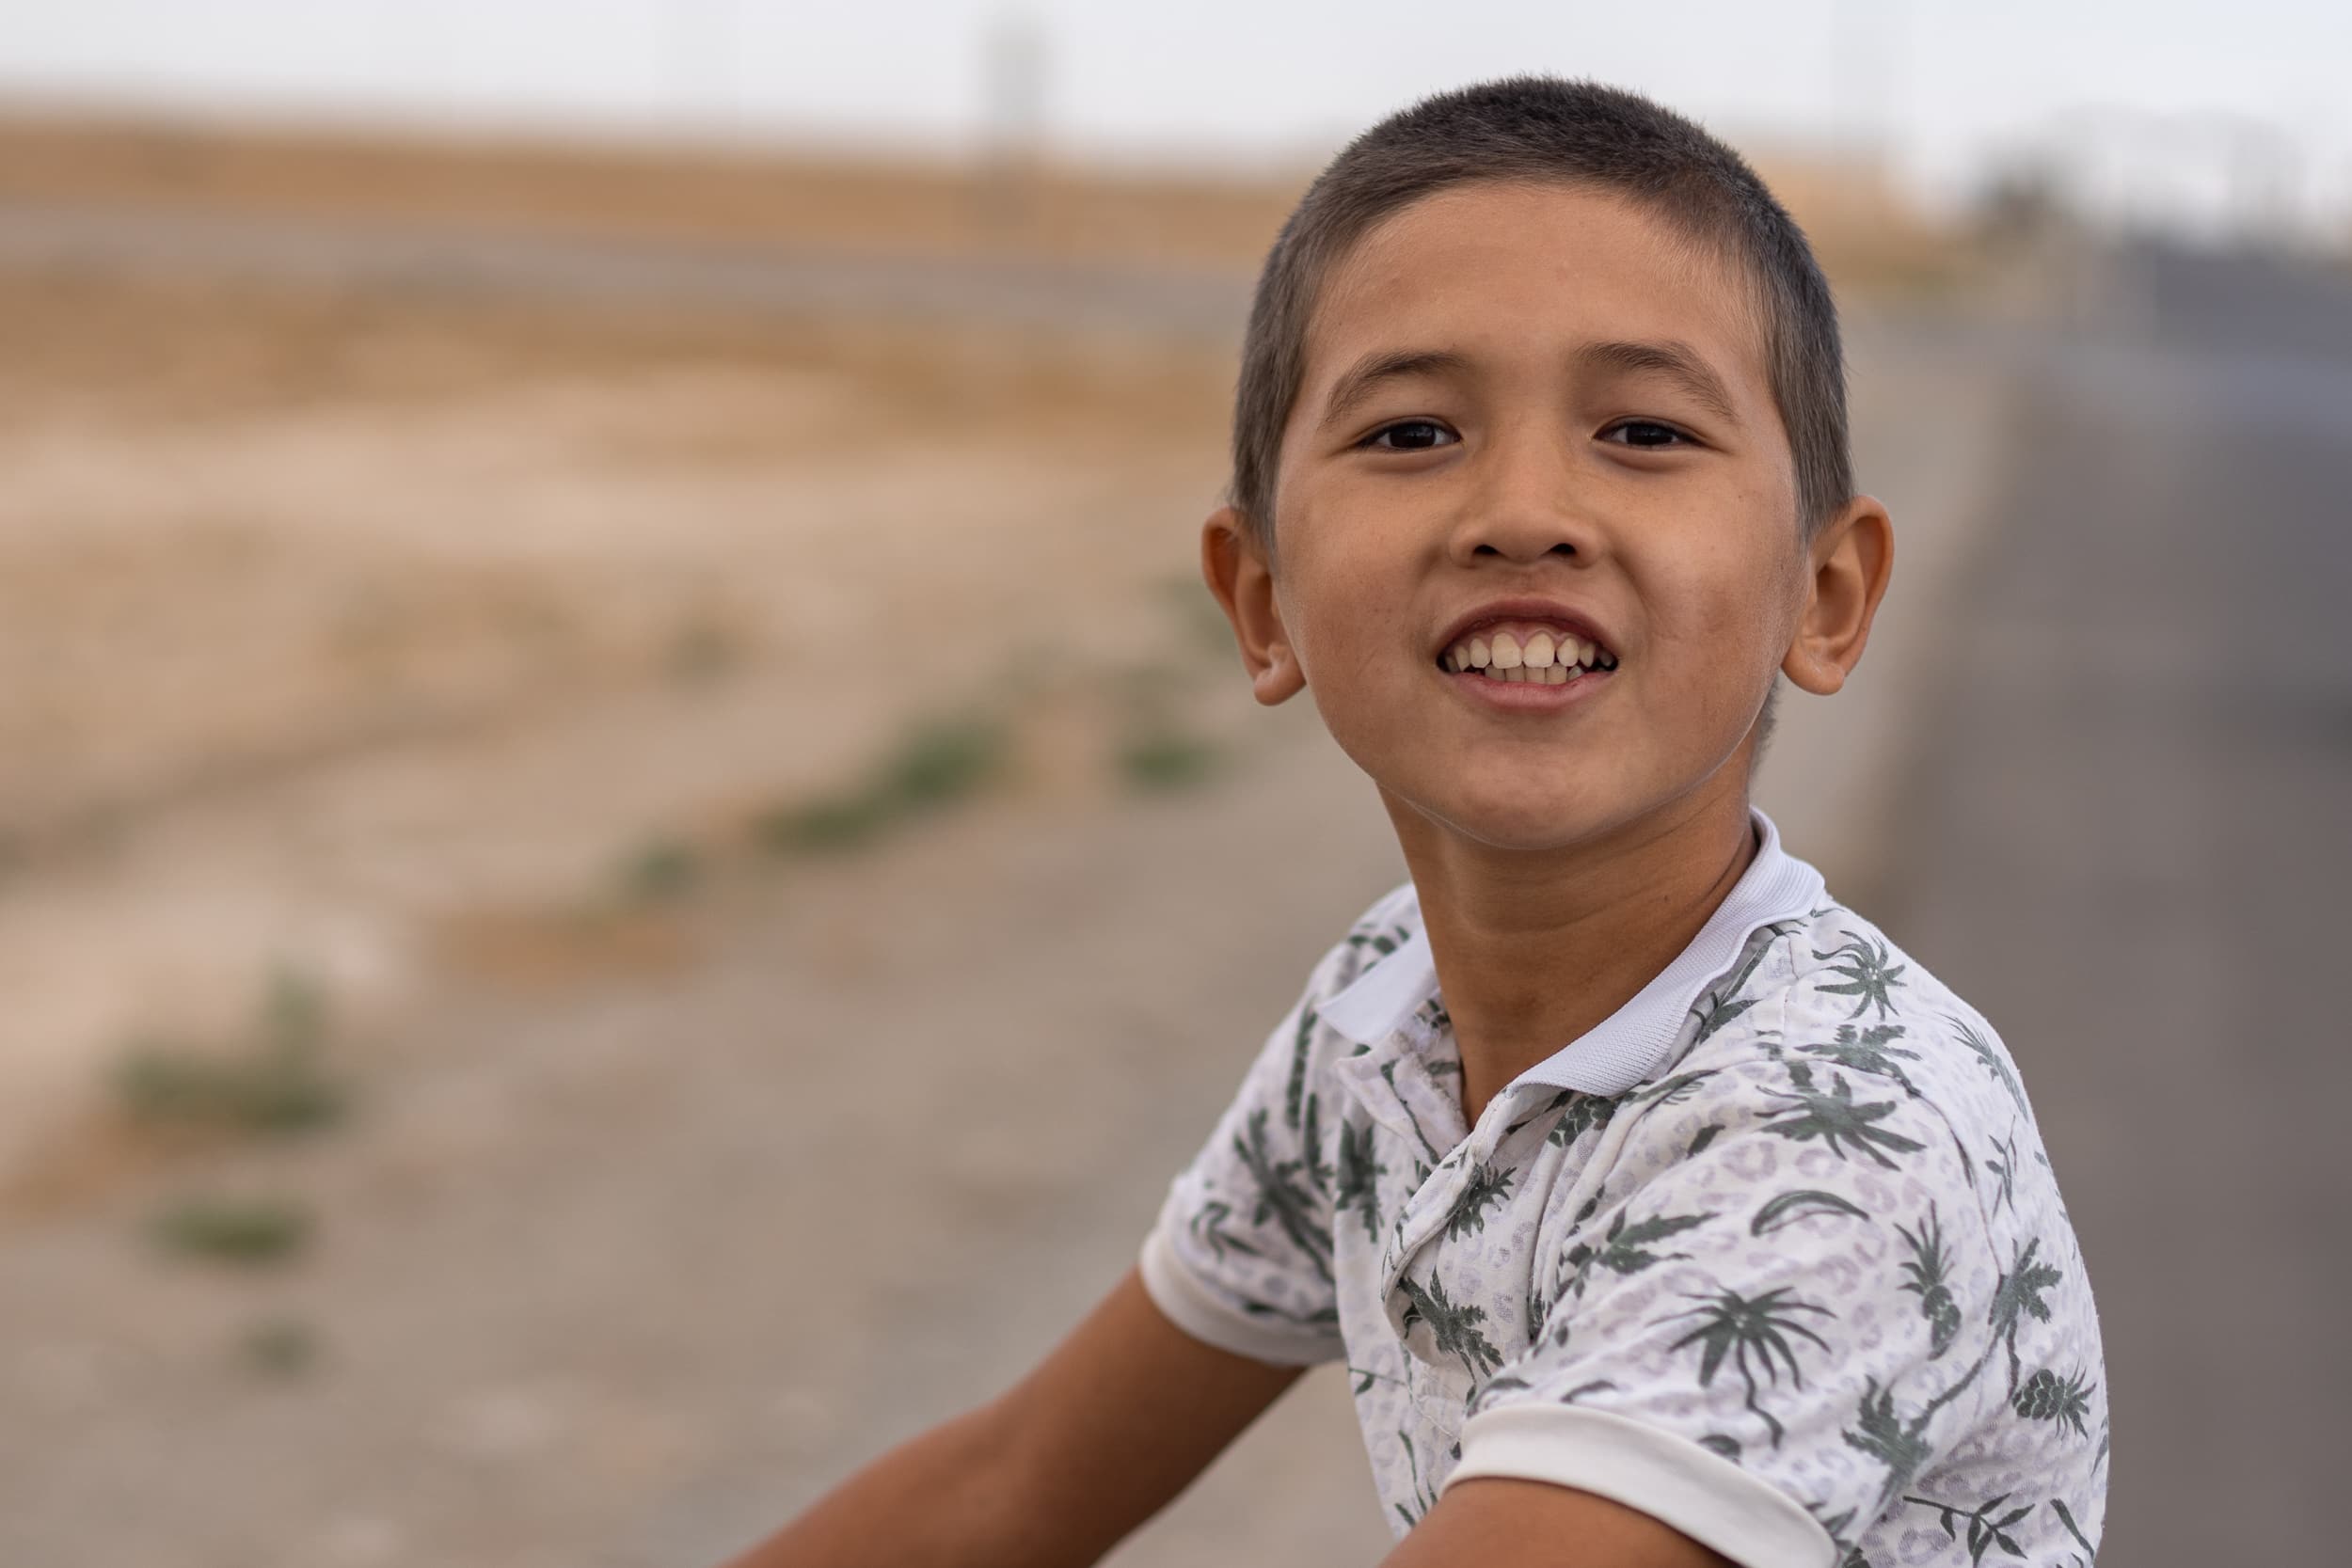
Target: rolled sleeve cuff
column 1671, row 1478
column 1186, row 1301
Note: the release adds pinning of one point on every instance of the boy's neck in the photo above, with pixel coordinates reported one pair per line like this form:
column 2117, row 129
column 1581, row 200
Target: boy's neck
column 1534, row 950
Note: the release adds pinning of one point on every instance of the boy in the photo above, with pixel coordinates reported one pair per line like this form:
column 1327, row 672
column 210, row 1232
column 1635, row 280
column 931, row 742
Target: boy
column 1662, row 1211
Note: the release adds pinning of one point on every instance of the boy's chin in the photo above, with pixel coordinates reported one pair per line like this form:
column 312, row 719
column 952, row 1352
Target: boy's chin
column 1527, row 822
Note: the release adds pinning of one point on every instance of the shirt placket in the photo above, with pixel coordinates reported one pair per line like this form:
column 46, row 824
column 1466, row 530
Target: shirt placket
column 1409, row 1100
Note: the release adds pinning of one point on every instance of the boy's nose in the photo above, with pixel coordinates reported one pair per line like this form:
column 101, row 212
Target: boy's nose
column 1525, row 507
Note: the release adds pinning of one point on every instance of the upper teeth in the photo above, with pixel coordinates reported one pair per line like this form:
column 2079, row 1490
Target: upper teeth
column 1545, row 657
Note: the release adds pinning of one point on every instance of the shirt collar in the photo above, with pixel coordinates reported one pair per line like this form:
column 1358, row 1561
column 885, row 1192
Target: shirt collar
column 1632, row 1043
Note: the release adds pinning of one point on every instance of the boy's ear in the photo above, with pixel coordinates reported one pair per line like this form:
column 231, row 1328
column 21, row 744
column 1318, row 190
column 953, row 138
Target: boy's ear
column 1238, row 573
column 1849, row 561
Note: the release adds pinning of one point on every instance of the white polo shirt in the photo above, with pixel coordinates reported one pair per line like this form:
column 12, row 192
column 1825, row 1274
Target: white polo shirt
column 1773, row 1255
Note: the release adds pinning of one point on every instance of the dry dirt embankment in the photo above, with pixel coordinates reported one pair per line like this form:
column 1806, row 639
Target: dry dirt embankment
column 334, row 623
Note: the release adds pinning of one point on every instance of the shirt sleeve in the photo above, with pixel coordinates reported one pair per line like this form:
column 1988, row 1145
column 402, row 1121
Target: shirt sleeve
column 1778, row 1301
column 1241, row 1255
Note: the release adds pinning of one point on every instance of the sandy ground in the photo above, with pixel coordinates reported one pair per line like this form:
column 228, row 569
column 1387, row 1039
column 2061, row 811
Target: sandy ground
column 381, row 637
column 448, row 622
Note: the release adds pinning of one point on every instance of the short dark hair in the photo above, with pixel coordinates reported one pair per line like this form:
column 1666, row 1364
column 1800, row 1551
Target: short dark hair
column 1547, row 128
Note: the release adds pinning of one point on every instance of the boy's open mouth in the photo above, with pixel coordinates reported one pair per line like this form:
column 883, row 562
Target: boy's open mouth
column 1528, row 652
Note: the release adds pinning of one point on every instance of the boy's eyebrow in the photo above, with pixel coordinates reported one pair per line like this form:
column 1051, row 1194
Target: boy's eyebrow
column 1678, row 362
column 1367, row 373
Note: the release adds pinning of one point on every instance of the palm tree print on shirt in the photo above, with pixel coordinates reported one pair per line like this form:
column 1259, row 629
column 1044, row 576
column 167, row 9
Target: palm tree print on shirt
column 1380, row 941
column 1868, row 1051
column 1626, row 1248
column 1880, row 1431
column 2019, row 1294
column 1836, row 1119
column 2047, row 1397
column 1425, row 1493
column 1453, row 1327
column 1788, row 1208
column 1488, row 1186
column 1281, row 1198
column 1579, row 1114
column 2004, row 1169
column 1835, row 1526
column 1985, row 1530
column 1208, row 1227
column 1868, row 975
column 2066, row 1518
column 1753, row 1331
column 1358, row 1178
column 1317, row 1169
column 1991, row 1061
column 1301, row 1043
column 1924, row 1277
column 1670, row 1091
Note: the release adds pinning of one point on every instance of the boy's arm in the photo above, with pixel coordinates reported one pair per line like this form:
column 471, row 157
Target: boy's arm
column 1110, row 1426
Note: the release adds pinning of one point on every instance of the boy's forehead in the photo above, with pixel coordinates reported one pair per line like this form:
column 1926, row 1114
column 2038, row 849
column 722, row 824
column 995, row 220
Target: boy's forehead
column 1503, row 263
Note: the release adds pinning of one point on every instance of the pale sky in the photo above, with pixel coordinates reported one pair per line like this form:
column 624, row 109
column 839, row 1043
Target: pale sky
column 2251, row 93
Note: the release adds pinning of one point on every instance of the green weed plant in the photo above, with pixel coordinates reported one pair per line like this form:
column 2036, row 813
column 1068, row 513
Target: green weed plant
column 246, row 1232
column 938, row 764
column 1160, row 758
column 660, row 871
column 276, row 1086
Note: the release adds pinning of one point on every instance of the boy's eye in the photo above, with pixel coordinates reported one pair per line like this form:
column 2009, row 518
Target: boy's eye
column 1643, row 432
column 1410, row 435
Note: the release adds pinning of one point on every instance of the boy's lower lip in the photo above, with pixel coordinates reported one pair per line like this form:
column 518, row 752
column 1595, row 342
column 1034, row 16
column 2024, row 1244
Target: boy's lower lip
column 1524, row 696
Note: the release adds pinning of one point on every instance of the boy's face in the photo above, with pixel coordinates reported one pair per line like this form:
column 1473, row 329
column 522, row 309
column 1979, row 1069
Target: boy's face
column 1533, row 413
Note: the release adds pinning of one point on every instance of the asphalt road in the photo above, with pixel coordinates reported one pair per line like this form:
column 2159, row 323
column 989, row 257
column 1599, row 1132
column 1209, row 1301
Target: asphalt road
column 2126, row 840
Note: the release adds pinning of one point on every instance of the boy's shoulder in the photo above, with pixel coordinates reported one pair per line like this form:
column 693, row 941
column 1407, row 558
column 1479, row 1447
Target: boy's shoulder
column 1827, row 1003
column 1833, row 993
column 1825, row 1035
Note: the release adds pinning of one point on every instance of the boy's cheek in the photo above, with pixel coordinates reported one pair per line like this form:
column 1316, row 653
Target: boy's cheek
column 1345, row 626
column 1722, row 608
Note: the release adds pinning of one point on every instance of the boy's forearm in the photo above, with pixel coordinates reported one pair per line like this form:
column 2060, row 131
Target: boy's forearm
column 1116, row 1421
column 939, row 1498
